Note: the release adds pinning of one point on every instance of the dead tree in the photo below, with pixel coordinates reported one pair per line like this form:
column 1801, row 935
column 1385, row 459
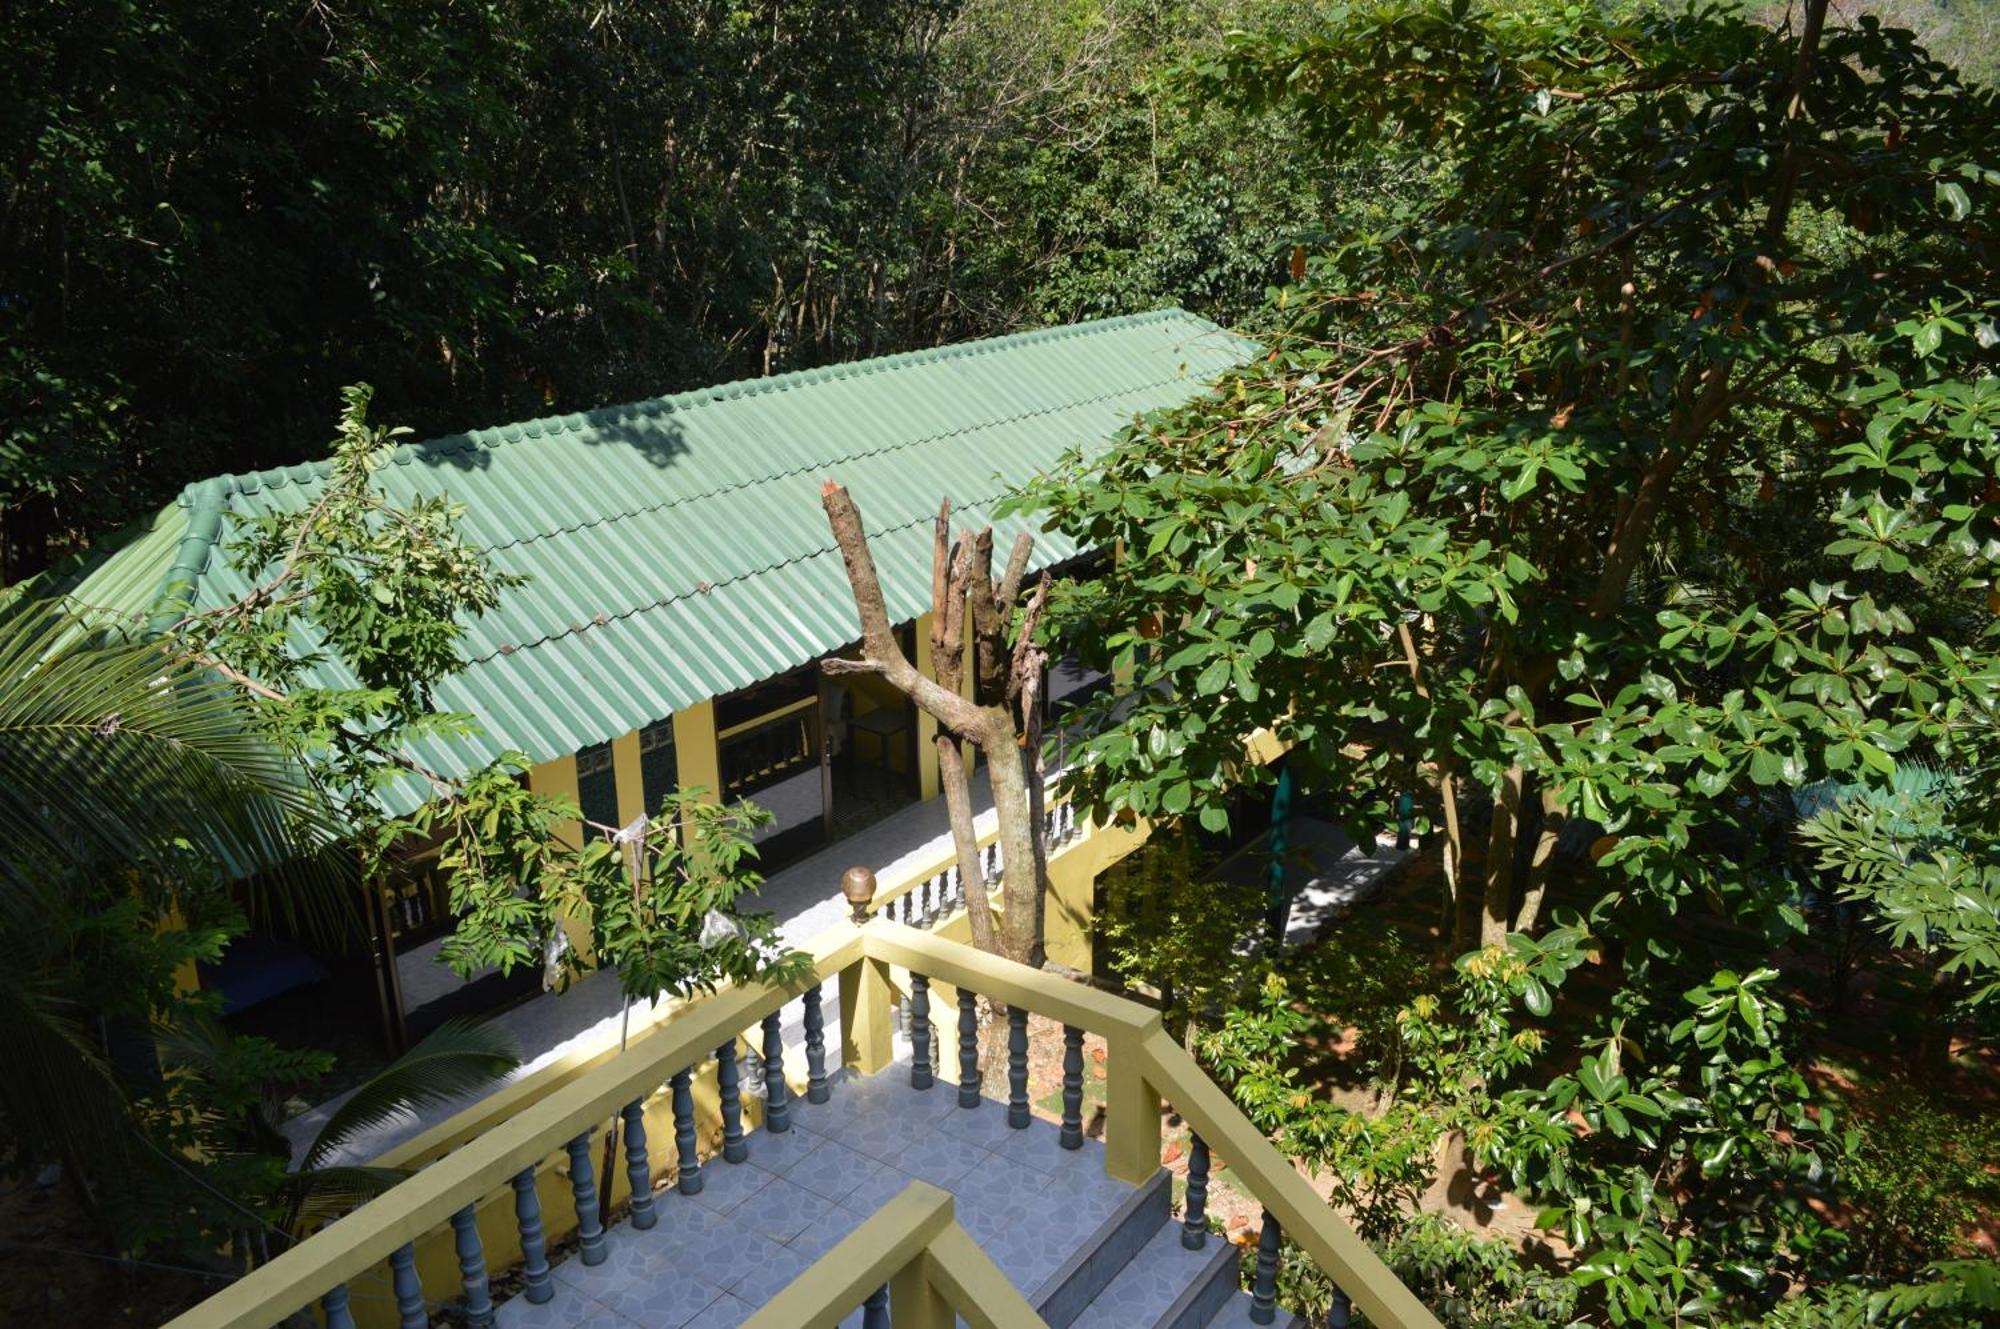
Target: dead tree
column 1001, row 717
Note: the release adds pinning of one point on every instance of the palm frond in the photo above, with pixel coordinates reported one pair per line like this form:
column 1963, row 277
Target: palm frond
column 459, row 1057
column 324, row 1194
column 118, row 757
column 59, row 1099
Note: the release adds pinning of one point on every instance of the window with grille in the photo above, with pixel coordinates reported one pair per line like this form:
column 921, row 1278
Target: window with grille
column 597, row 787
column 659, row 770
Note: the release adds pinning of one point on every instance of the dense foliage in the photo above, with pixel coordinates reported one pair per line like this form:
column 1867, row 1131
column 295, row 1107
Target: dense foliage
column 1624, row 478
column 1619, row 478
column 217, row 215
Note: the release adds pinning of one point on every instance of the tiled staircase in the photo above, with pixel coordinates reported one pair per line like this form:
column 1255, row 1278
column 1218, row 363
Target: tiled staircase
column 1088, row 1251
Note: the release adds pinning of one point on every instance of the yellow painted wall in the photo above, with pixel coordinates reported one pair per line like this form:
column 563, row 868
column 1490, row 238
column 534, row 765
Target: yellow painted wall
column 697, row 753
column 630, row 782
column 557, row 779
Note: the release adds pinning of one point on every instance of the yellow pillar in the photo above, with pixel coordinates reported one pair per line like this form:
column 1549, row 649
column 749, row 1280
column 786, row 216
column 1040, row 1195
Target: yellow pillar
column 697, row 752
column 927, row 760
column 630, row 782
column 1132, row 1115
column 914, row 1303
column 557, row 779
column 866, row 1038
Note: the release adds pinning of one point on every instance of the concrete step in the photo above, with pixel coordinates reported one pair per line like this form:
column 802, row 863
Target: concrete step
column 1235, row 1314
column 1164, row 1285
column 1089, row 1271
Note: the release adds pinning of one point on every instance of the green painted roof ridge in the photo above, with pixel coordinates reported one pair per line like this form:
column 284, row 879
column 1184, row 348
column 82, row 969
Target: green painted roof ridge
column 492, row 436
column 207, row 501
column 608, row 518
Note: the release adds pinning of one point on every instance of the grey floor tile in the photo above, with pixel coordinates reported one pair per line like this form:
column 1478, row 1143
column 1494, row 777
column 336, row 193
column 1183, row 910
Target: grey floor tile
column 728, row 1185
column 668, row 1300
column 779, row 1154
column 725, row 1312
column 882, row 1184
column 569, row 1309
column 985, row 1125
column 833, row 1170
column 723, row 1258
column 781, row 1210
column 713, row 1257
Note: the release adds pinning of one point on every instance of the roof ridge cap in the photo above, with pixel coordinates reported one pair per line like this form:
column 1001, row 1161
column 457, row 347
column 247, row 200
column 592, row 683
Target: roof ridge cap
column 206, row 502
column 627, row 514
column 491, row 437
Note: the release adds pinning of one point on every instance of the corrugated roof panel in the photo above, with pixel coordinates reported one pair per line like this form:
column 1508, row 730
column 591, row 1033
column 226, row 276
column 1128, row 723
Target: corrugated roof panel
column 677, row 548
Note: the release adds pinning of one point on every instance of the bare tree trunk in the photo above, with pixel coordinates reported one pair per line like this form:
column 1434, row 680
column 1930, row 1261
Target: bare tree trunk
column 1451, row 925
column 1498, row 911
column 1542, row 862
column 987, row 719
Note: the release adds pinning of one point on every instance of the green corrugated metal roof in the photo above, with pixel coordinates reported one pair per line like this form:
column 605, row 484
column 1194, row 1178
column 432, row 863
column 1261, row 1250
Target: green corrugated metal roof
column 676, row 548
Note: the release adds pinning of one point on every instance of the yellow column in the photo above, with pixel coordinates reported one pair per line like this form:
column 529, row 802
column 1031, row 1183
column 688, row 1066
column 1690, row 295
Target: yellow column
column 1132, row 1115
column 927, row 761
column 866, row 1038
column 915, row 1302
column 631, row 784
column 696, row 751
column 557, row 779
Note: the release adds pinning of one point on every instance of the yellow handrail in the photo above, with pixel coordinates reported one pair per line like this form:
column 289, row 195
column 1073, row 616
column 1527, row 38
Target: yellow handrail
column 1143, row 1067
column 914, row 1244
column 361, row 1241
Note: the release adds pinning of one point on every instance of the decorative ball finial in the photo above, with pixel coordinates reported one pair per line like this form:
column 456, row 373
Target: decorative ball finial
column 858, row 885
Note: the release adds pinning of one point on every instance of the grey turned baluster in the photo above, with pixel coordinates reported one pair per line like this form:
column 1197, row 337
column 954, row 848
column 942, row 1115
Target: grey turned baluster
column 638, row 1169
column 1194, row 1224
column 968, row 1049
column 1071, row 1136
column 687, row 1151
column 734, row 1148
column 334, row 1304
column 1340, row 1312
column 538, row 1285
column 1017, row 1067
column 1264, row 1282
column 920, row 1032
column 590, row 1247
column 472, row 1268
column 817, row 1090
column 777, row 1112
column 875, row 1310
column 411, row 1312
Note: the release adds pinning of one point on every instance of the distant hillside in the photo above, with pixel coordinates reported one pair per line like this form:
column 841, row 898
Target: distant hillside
column 1963, row 33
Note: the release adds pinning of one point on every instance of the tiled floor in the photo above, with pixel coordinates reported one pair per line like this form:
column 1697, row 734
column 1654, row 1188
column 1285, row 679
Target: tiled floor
column 715, row 1257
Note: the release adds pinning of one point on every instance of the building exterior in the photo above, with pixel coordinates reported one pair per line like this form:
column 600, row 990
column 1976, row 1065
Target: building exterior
column 682, row 585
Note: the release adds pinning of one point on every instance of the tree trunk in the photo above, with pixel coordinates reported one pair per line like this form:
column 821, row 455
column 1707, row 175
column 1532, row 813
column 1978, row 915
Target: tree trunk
column 990, row 719
column 1497, row 916
column 1542, row 862
column 957, row 787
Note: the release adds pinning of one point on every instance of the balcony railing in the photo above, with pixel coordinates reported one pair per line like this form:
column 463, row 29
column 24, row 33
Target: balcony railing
column 504, row 1186
column 934, row 890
